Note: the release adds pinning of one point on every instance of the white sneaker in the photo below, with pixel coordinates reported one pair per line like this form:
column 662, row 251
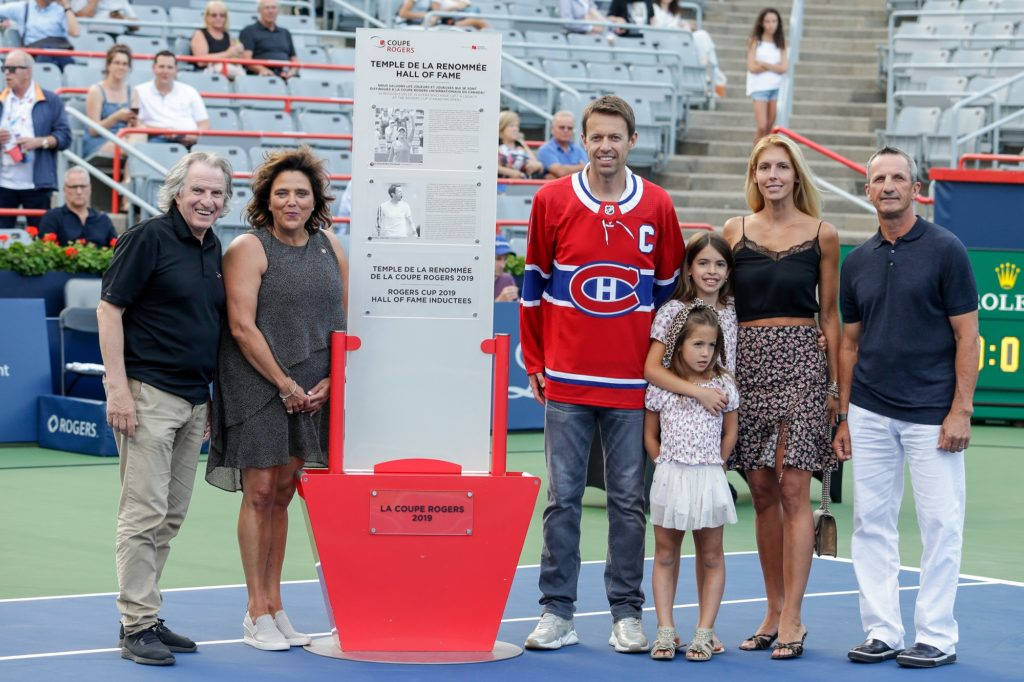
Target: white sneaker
column 263, row 634
column 284, row 626
column 628, row 636
column 552, row 632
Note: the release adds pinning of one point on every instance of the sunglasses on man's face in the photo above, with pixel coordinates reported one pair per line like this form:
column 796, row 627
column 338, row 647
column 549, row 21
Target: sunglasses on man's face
column 13, row 69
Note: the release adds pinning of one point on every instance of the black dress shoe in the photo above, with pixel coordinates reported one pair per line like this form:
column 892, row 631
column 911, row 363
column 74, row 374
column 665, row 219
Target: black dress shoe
column 924, row 656
column 872, row 651
column 179, row 644
column 145, row 647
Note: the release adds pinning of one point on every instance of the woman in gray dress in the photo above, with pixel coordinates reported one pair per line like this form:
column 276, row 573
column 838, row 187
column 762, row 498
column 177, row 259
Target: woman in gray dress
column 285, row 283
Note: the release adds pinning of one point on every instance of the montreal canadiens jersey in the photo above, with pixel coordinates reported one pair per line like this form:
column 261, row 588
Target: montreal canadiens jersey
column 595, row 273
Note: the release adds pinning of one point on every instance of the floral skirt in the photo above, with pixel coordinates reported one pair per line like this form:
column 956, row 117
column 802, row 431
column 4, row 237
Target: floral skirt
column 782, row 375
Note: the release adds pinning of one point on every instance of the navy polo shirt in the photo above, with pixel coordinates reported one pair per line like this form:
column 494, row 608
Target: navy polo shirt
column 65, row 223
column 903, row 293
column 265, row 43
column 171, row 289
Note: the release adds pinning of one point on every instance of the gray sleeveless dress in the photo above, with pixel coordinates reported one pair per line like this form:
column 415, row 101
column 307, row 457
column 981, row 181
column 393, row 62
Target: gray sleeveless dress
column 300, row 303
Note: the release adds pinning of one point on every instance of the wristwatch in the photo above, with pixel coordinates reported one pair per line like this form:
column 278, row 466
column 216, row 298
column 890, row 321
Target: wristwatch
column 841, row 417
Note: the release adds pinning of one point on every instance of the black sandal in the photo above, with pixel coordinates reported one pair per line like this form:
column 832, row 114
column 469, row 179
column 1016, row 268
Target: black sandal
column 796, row 649
column 761, row 641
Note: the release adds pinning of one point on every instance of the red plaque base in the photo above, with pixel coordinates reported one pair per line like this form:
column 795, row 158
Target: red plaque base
column 418, row 592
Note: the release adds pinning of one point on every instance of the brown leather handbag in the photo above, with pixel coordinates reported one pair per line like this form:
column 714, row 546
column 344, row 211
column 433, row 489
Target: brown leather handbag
column 825, row 532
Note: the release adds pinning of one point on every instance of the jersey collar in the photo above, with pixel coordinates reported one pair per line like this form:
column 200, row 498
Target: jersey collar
column 629, row 199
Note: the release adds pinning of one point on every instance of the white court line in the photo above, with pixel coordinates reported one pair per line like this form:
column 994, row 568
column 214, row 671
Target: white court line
column 587, row 614
column 915, row 569
column 283, row 582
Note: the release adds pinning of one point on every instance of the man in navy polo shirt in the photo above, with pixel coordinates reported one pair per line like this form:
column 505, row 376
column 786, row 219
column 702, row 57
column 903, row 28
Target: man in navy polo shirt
column 562, row 155
column 264, row 39
column 908, row 364
column 159, row 325
column 76, row 219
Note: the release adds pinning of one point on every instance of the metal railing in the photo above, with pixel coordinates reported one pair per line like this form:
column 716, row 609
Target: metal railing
column 853, row 165
column 367, row 18
column 993, row 158
column 564, row 23
column 796, row 32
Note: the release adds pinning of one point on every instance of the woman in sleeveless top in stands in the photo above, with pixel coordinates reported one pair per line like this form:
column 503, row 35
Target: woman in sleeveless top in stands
column 285, row 285
column 110, row 103
column 213, row 40
column 766, row 64
column 786, row 273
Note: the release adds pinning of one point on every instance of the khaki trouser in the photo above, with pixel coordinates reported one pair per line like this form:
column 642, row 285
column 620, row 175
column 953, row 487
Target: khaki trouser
column 158, row 471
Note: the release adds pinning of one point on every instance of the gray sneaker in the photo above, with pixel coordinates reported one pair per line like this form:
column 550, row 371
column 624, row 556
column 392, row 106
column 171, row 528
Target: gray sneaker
column 552, row 632
column 628, row 636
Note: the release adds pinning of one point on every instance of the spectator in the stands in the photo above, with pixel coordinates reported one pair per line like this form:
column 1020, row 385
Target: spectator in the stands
column 413, row 12
column 505, row 288
column 33, row 127
column 103, row 9
column 266, row 40
column 585, row 10
column 76, row 219
column 213, row 40
column 166, row 103
column 562, row 154
column 43, row 24
column 766, row 64
column 112, row 103
column 515, row 160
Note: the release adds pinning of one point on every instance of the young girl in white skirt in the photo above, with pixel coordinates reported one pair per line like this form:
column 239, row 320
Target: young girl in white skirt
column 689, row 445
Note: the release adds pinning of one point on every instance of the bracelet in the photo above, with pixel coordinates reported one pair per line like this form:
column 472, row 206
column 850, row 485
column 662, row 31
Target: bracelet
column 284, row 396
column 833, row 389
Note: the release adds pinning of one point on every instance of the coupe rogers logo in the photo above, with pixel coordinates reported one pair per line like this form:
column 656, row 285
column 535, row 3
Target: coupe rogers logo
column 76, row 427
column 605, row 289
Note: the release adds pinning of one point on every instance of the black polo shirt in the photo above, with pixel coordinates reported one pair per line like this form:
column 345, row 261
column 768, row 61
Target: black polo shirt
column 903, row 294
column 172, row 293
column 66, row 224
column 265, row 43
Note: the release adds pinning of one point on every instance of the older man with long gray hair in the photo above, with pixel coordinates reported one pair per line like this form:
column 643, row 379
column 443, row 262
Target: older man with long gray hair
column 159, row 322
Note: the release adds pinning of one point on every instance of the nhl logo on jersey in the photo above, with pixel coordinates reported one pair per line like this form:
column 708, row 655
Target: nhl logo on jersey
column 609, row 209
column 605, row 289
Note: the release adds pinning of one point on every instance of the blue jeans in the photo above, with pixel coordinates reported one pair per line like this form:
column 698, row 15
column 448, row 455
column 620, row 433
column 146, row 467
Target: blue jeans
column 568, row 431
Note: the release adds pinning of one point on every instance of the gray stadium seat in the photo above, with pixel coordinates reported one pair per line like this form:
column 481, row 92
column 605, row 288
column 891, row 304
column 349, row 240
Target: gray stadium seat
column 310, row 86
column 597, row 47
column 938, row 91
column 1002, row 29
column 553, row 45
column 223, row 119
column 93, row 42
column 314, row 122
column 260, row 85
column 186, row 15
column 910, row 126
column 235, row 155
column 961, row 57
column 47, row 76
column 937, row 146
column 145, row 180
column 143, row 44
column 625, row 44
column 565, row 69
column 208, row 82
column 264, row 120
column 157, row 13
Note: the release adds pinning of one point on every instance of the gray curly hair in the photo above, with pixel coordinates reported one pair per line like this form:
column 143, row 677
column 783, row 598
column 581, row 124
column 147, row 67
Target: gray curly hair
column 175, row 180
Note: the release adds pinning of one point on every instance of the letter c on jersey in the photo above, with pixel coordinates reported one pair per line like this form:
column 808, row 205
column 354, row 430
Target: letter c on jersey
column 605, row 289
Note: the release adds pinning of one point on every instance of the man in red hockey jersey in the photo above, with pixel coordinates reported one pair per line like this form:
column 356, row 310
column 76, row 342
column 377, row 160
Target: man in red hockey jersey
column 604, row 250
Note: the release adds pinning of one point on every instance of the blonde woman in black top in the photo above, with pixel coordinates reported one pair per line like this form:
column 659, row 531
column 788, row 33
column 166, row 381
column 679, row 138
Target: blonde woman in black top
column 786, row 274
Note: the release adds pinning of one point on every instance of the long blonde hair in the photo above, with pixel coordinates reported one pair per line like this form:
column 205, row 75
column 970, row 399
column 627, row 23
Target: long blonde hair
column 805, row 193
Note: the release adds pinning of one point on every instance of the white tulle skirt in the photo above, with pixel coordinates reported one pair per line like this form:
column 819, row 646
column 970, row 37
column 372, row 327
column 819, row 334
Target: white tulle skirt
column 689, row 497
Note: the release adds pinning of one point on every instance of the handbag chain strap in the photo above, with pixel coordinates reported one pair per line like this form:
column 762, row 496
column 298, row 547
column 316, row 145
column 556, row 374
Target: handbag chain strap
column 826, row 489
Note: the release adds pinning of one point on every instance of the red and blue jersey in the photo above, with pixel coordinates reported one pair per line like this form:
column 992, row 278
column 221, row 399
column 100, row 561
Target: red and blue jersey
column 595, row 273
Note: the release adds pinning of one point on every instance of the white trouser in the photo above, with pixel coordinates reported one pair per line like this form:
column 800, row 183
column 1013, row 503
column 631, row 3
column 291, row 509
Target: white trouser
column 880, row 445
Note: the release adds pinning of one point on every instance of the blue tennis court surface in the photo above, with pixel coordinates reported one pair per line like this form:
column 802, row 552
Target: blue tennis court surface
column 74, row 638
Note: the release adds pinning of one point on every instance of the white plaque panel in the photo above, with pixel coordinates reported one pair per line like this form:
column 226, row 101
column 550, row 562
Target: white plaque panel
column 422, row 247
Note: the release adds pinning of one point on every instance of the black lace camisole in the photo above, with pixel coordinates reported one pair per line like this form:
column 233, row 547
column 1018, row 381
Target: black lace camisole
column 775, row 283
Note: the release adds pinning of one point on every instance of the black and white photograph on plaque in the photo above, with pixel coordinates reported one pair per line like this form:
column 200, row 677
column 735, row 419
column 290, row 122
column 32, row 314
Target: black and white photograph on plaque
column 399, row 135
column 395, row 215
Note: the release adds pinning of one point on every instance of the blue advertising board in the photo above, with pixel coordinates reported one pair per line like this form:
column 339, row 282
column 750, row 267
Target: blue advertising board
column 523, row 411
column 75, row 425
column 24, row 367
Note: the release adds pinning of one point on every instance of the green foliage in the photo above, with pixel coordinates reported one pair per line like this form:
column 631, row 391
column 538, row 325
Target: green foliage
column 515, row 264
column 45, row 255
